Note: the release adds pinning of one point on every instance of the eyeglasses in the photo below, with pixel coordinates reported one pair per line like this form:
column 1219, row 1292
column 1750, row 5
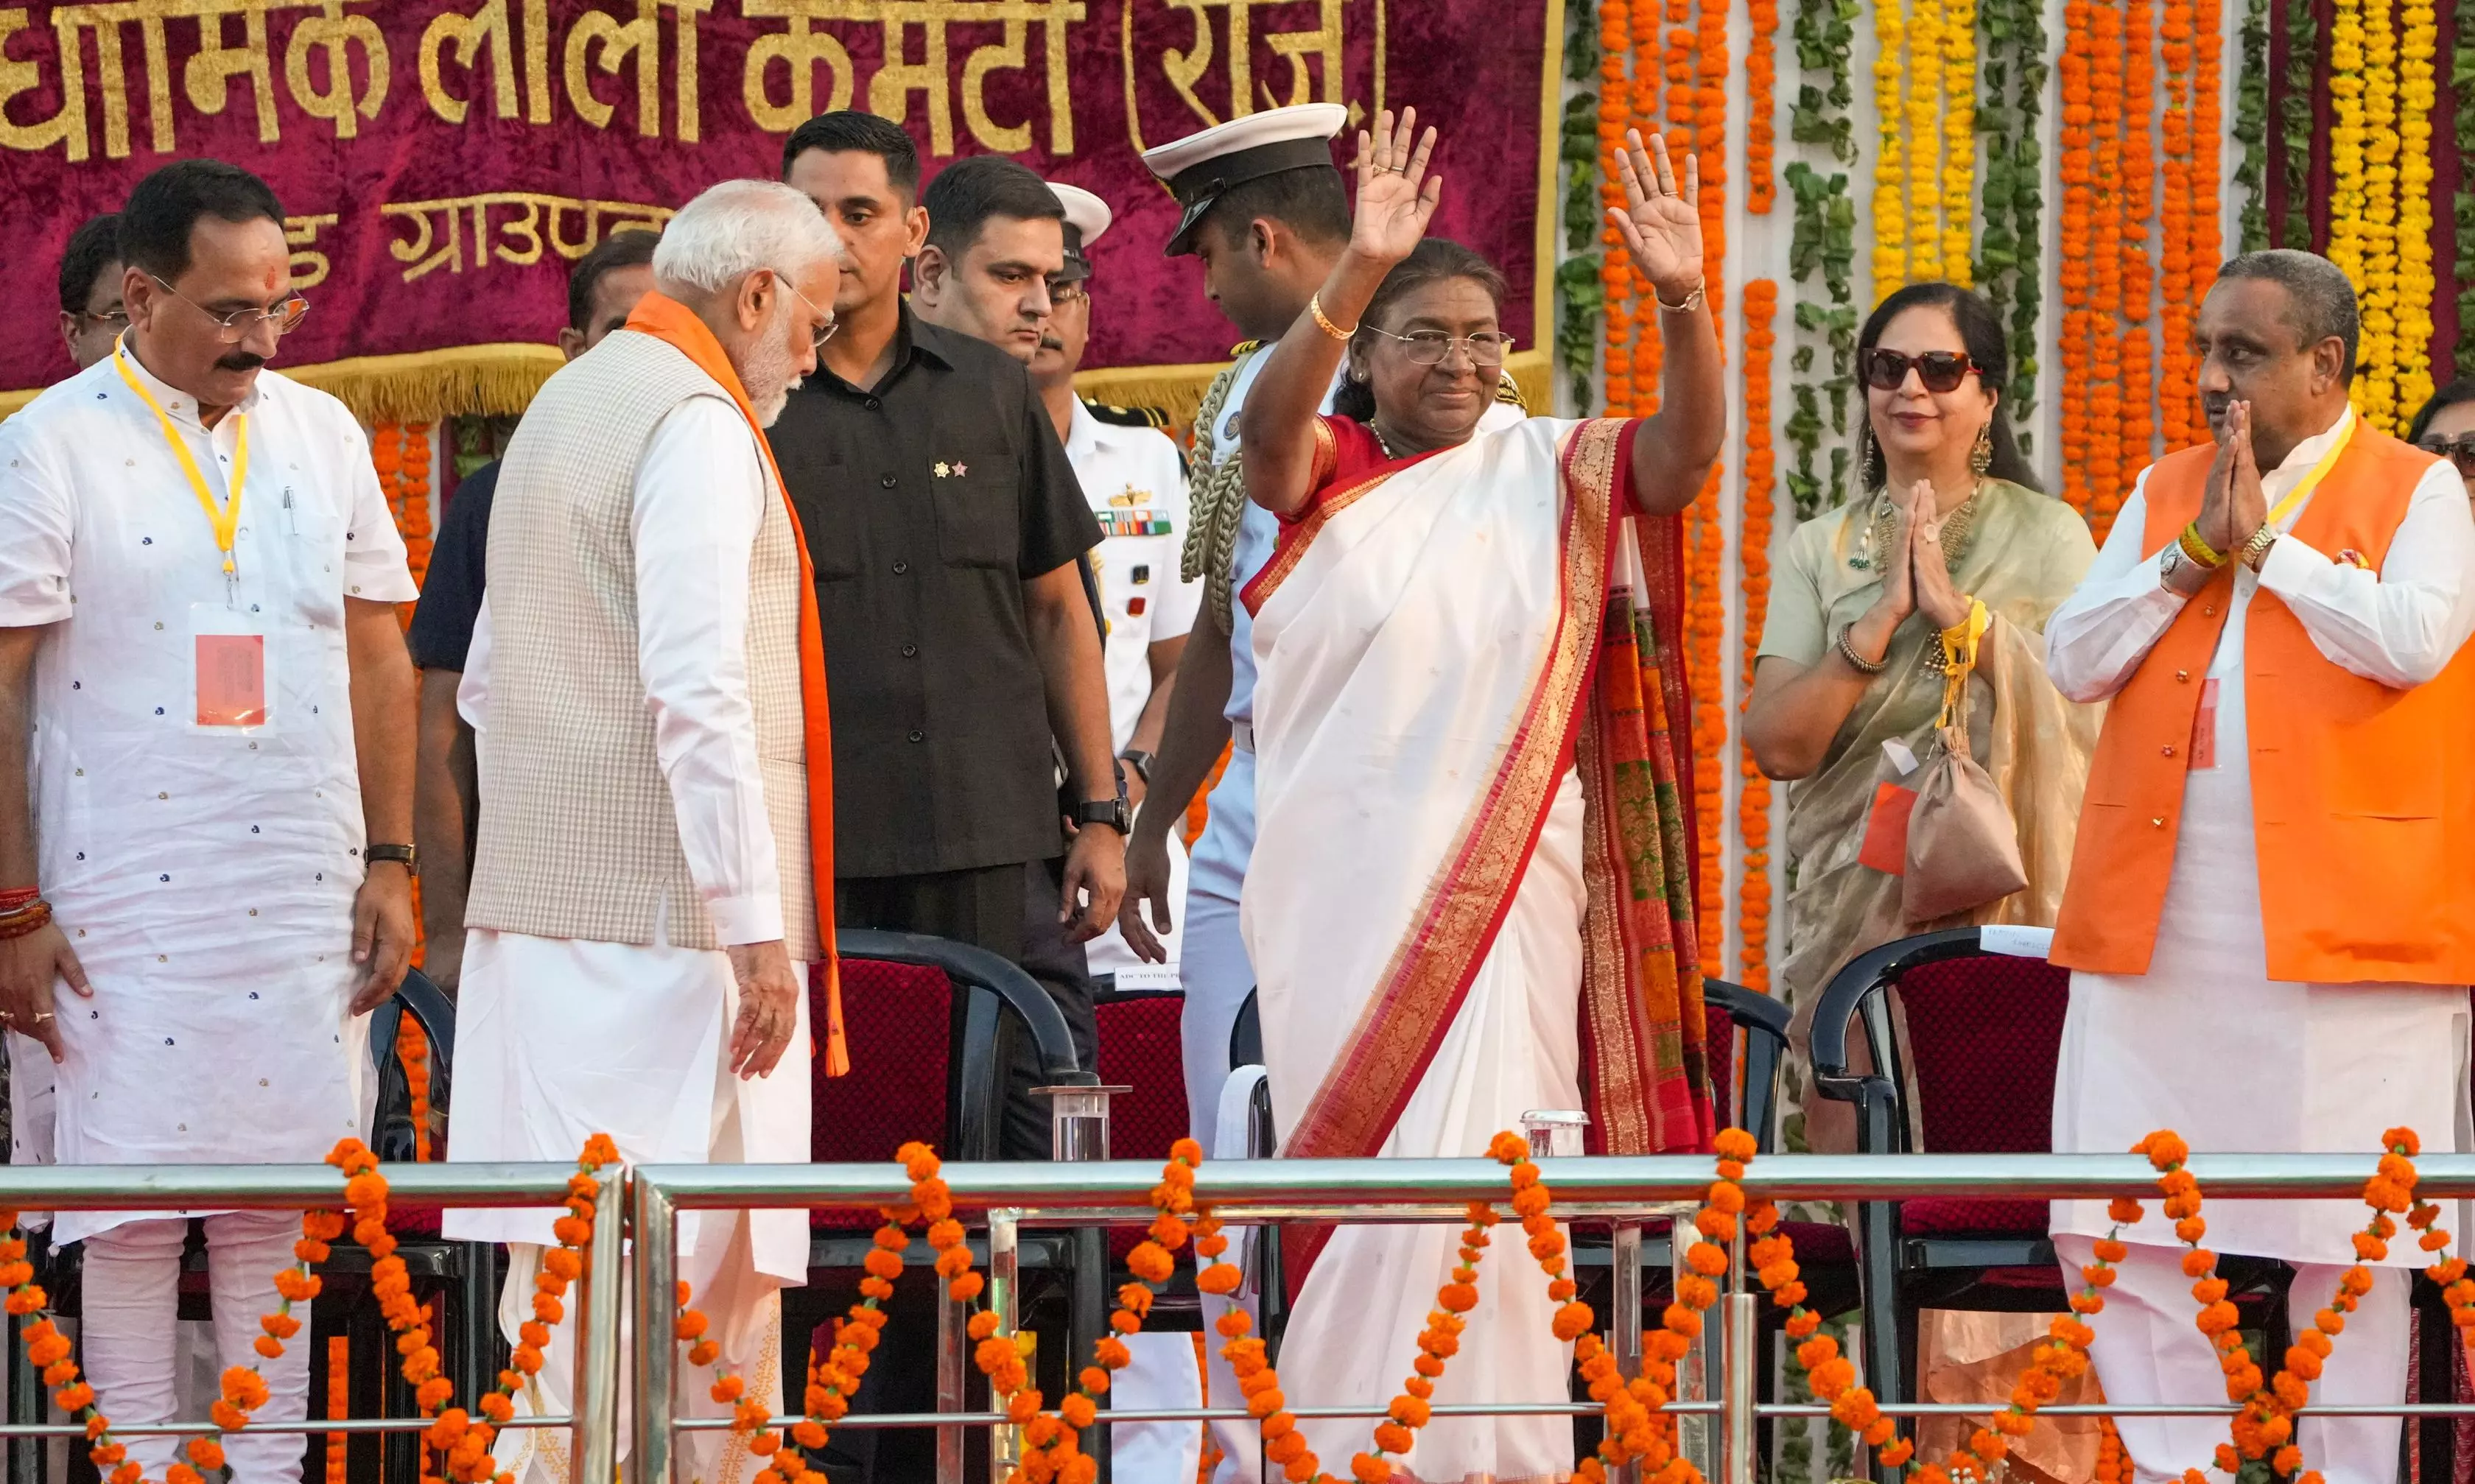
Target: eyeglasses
column 284, row 317
column 117, row 317
column 827, row 324
column 1430, row 346
column 1068, row 291
column 2459, row 450
column 1941, row 371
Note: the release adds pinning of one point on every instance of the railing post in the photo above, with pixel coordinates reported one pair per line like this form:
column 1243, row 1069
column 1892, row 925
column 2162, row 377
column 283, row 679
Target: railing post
column 599, row 1301
column 655, row 1301
column 950, row 1341
column 1078, row 1133
column 1693, row 1371
column 1005, row 1444
column 1743, row 1332
column 1626, row 1303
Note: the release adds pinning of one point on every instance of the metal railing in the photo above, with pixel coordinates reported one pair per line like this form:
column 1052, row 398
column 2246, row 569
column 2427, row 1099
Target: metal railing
column 1009, row 1196
column 216, row 1187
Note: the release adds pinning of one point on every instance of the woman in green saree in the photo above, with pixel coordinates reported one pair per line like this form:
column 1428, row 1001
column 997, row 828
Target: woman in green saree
column 1851, row 677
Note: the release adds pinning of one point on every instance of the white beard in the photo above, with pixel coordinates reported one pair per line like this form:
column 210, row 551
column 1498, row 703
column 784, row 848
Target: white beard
column 766, row 374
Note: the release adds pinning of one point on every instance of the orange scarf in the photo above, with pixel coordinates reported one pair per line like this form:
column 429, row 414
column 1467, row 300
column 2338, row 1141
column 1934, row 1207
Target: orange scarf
column 674, row 324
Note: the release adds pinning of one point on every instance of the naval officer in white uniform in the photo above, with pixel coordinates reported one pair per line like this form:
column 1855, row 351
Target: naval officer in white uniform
column 1135, row 478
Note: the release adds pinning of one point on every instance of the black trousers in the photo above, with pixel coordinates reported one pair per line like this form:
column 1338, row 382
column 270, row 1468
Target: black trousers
column 1012, row 911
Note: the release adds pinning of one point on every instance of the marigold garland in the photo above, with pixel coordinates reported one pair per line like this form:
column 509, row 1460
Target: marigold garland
column 2347, row 202
column 412, row 1048
column 2076, row 161
column 1761, row 85
column 1958, row 139
column 2376, row 386
column 2203, row 236
column 1891, row 271
column 2178, row 405
column 2419, row 95
column 1754, row 546
column 2137, row 174
column 2107, row 479
column 339, row 1399
column 2112, row 1463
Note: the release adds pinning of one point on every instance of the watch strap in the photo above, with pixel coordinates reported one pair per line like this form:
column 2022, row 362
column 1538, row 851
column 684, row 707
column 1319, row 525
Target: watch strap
column 407, row 856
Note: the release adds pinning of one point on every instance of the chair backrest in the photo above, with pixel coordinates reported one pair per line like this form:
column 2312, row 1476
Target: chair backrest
column 1983, row 1034
column 1719, row 1046
column 899, row 1020
column 1142, row 1047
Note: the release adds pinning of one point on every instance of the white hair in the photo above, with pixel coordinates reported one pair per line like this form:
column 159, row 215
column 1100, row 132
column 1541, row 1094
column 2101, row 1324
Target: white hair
column 738, row 227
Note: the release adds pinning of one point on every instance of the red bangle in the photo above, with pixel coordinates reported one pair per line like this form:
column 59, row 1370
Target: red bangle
column 25, row 920
column 17, row 897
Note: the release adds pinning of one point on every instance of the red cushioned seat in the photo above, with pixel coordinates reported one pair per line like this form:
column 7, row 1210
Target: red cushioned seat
column 1973, row 1218
column 1143, row 1049
column 1983, row 1035
column 899, row 1021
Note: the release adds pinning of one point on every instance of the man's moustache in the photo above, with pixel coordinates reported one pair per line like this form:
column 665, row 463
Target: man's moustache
column 240, row 360
column 1051, row 343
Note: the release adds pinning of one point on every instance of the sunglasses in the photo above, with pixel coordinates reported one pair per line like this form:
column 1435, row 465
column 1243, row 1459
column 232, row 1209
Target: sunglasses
column 1941, row 371
column 2459, row 450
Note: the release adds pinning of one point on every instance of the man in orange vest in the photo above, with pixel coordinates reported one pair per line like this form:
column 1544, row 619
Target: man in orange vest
column 2270, row 918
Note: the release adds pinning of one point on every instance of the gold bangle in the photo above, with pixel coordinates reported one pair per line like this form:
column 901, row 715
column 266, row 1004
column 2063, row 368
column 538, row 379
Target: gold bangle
column 1323, row 322
column 1692, row 300
column 2197, row 549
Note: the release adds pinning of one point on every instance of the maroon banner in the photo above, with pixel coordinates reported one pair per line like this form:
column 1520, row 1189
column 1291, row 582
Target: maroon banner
column 444, row 163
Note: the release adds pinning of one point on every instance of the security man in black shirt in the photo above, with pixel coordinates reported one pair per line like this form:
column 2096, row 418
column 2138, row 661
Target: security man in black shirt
column 946, row 530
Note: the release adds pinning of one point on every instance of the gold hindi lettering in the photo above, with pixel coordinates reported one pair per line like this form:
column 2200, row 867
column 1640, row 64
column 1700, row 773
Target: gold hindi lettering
column 1319, row 45
column 921, row 68
column 335, row 66
column 310, row 267
column 509, row 227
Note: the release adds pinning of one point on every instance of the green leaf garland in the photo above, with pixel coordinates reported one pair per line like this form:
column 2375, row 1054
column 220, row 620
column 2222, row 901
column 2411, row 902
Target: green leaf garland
column 2461, row 82
column 2251, row 125
column 2295, row 125
column 1823, row 242
column 1581, row 299
column 2009, row 267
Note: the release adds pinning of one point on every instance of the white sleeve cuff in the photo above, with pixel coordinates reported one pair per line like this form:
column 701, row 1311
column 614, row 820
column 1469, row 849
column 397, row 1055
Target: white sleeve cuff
column 746, row 919
column 2292, row 564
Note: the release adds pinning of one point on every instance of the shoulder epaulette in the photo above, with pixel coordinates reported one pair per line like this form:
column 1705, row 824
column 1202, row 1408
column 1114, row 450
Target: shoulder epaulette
column 1245, row 348
column 1126, row 417
column 1508, row 392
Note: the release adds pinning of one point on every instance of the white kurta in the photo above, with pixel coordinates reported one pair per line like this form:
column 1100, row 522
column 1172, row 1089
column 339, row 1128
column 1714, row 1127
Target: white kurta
column 559, row 1038
column 204, row 874
column 2283, row 1067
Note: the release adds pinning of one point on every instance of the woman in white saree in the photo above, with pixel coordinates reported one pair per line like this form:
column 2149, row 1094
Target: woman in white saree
column 1471, row 889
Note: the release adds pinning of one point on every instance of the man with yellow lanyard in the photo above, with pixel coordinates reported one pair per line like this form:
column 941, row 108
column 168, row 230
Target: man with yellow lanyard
column 2271, row 918
column 205, row 698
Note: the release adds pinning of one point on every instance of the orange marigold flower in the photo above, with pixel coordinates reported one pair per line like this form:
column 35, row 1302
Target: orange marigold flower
column 1078, row 1411
column 1367, row 1468
column 2124, row 1212
column 1735, row 1144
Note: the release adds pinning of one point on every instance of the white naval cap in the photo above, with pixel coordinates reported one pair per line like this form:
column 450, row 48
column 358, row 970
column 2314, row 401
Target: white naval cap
column 1087, row 217
column 1200, row 167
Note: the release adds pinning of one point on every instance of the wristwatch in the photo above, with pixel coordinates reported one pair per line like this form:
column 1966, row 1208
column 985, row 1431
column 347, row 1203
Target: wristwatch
column 1112, row 812
column 408, row 856
column 1141, row 761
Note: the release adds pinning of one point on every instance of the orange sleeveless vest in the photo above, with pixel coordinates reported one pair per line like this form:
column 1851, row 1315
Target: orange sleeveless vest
column 2363, row 796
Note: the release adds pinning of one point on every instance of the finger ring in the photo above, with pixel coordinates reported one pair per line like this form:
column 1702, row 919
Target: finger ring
column 42, row 1016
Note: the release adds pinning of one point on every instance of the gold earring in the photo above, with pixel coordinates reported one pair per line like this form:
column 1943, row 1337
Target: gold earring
column 1980, row 458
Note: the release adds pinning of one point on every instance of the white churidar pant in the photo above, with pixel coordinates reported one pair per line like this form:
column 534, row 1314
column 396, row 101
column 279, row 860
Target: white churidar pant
column 130, row 1334
column 2148, row 1349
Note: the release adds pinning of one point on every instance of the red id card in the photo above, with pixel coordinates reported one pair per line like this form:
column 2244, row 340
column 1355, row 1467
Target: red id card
column 232, row 679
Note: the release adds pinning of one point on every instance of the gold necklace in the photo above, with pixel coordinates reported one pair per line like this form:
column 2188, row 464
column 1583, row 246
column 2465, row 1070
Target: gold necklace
column 1956, row 530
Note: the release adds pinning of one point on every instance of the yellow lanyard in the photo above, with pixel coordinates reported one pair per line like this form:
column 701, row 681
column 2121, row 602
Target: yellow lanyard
column 2319, row 470
column 224, row 516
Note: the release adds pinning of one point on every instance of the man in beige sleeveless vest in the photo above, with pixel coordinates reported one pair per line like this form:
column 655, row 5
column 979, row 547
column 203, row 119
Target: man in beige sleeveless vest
column 644, row 892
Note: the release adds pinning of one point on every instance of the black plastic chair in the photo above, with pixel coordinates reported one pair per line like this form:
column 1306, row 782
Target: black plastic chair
column 1984, row 1015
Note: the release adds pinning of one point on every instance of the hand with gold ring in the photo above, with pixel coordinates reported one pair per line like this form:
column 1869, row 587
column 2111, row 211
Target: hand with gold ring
column 30, row 966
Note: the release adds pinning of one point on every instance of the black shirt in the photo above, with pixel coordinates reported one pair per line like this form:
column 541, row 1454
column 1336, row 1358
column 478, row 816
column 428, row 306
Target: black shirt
column 928, row 502
column 441, row 635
